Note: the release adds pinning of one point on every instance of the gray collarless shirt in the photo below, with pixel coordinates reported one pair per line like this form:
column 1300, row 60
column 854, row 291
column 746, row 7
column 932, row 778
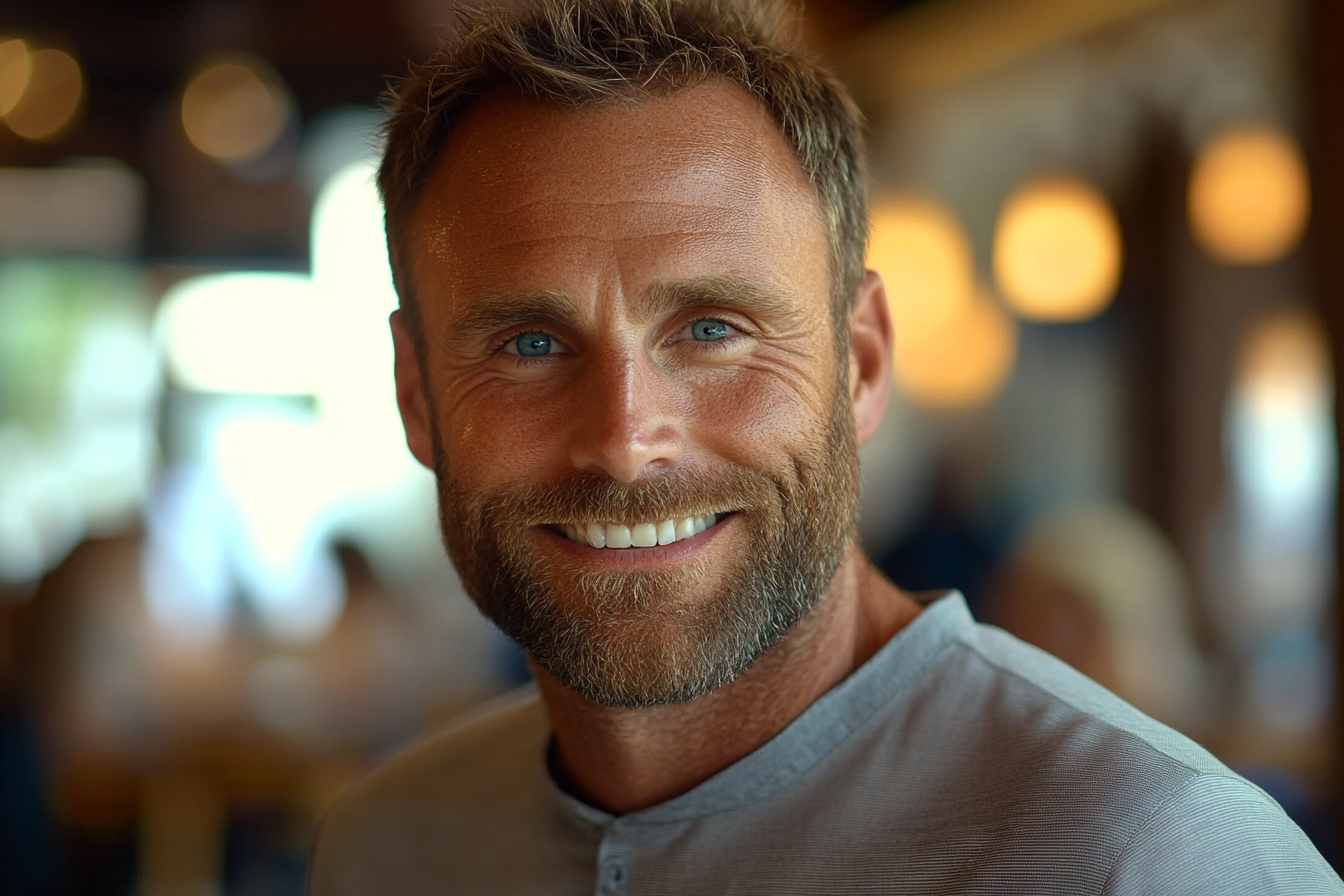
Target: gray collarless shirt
column 957, row 760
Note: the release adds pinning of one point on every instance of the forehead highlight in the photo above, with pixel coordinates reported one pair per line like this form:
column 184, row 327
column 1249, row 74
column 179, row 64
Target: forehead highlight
column 513, row 159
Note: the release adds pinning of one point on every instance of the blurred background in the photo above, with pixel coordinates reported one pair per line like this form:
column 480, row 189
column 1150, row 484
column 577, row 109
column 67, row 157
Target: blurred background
column 1113, row 237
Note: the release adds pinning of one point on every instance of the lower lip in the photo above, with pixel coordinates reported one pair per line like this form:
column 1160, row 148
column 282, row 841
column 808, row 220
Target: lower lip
column 655, row 556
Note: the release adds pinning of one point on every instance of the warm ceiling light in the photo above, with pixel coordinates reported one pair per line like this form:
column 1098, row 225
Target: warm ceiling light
column 1249, row 196
column 925, row 261
column 15, row 68
column 963, row 362
column 235, row 110
column 1057, row 251
column 51, row 98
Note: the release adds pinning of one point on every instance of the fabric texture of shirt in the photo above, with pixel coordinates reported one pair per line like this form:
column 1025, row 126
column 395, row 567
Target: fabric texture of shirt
column 956, row 760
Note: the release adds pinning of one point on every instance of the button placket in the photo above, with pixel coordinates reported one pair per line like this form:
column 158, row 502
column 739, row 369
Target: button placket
column 613, row 876
column 613, row 870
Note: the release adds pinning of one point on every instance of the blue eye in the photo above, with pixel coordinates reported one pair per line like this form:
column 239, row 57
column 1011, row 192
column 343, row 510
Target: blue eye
column 709, row 330
column 533, row 345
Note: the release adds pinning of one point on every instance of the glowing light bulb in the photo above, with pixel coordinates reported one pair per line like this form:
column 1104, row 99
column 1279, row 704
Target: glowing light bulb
column 235, row 109
column 1057, row 251
column 51, row 97
column 1249, row 197
column 924, row 258
column 15, row 70
column 961, row 363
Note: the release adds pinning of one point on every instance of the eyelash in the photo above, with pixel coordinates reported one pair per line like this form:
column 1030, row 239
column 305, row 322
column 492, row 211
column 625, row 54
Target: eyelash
column 525, row 360
column 734, row 333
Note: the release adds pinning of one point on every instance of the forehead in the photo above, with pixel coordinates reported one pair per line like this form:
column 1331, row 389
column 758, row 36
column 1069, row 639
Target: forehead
column 702, row 177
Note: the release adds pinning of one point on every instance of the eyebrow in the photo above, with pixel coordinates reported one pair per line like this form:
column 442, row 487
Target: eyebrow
column 496, row 312
column 499, row 312
column 667, row 299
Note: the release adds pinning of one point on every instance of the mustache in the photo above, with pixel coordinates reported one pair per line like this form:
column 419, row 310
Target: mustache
column 582, row 497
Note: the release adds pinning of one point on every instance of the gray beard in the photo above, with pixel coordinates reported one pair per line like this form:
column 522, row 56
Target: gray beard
column 635, row 639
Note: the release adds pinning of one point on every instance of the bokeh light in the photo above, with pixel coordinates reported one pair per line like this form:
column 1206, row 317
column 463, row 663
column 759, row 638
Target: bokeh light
column 15, row 68
column 924, row 258
column 235, row 109
column 962, row 362
column 1282, row 444
column 1057, row 251
column 1283, row 461
column 53, row 94
column 1284, row 359
column 1249, row 196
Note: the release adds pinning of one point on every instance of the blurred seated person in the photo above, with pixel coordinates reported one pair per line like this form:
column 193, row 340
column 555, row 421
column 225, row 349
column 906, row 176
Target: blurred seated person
column 1100, row 587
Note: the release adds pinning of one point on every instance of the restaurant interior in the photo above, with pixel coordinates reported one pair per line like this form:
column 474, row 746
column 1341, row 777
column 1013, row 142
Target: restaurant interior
column 1112, row 235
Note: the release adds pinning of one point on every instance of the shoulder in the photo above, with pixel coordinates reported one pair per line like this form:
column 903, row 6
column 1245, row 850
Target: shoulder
column 1024, row 692
column 1218, row 832
column 480, row 755
column 482, row 773
column 1077, row 773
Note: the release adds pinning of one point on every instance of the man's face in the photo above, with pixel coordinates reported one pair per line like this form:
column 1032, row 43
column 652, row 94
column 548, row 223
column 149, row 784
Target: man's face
column 627, row 338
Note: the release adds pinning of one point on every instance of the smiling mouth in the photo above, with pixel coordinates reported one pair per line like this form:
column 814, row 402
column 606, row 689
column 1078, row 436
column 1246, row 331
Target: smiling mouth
column 639, row 535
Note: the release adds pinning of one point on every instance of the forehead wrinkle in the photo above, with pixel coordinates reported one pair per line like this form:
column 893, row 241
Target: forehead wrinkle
column 630, row 220
column 499, row 254
column 682, row 232
column 564, row 200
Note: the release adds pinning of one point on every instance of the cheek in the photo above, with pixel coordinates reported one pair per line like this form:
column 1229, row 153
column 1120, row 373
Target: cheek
column 493, row 437
column 756, row 417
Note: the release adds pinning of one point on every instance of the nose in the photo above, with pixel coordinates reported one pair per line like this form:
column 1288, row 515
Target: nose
column 625, row 423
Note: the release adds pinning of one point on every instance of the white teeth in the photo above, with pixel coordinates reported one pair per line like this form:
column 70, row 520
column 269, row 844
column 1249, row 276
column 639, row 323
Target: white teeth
column 644, row 535
column 618, row 536
column 667, row 532
column 597, row 535
column 640, row 535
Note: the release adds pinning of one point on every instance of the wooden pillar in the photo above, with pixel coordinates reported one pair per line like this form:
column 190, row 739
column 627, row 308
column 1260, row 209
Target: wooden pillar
column 1325, row 150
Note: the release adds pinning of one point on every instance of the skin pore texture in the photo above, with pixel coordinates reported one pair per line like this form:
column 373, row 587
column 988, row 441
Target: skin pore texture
column 625, row 311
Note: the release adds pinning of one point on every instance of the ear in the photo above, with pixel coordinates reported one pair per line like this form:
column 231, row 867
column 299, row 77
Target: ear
column 411, row 400
column 870, row 345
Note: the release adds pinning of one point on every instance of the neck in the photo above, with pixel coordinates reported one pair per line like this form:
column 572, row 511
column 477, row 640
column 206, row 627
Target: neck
column 623, row 760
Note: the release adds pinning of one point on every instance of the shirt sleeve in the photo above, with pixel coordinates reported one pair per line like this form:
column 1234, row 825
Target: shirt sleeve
column 1220, row 834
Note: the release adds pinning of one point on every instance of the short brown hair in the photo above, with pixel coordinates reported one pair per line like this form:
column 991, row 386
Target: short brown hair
column 583, row 52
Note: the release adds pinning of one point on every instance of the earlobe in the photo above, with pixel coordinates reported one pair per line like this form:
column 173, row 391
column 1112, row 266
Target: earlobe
column 411, row 399
column 870, row 347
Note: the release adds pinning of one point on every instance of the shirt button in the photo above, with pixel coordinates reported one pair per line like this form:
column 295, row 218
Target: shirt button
column 613, row 874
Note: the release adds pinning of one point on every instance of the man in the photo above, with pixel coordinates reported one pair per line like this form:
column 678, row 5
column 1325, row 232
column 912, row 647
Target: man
column 638, row 347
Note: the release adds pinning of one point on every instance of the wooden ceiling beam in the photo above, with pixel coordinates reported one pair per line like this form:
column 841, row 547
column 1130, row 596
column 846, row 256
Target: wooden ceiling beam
column 933, row 47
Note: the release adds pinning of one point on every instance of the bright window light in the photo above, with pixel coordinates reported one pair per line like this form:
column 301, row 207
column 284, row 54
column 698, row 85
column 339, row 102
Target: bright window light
column 300, row 476
column 241, row 332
